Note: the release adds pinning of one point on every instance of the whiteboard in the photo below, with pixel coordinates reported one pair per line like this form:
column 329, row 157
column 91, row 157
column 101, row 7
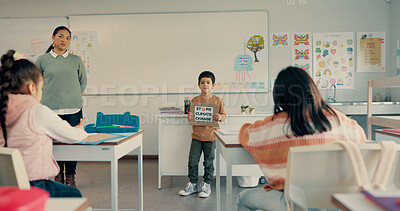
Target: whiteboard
column 165, row 53
column 31, row 36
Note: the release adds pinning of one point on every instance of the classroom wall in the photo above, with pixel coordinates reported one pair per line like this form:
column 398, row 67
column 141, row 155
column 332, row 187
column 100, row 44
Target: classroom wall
column 394, row 36
column 316, row 16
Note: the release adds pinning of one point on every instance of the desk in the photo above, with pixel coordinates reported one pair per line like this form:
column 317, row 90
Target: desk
column 353, row 202
column 107, row 151
column 67, row 204
column 381, row 135
column 234, row 154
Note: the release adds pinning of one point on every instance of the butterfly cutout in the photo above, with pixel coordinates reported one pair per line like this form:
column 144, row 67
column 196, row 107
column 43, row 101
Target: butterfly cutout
column 300, row 54
column 280, row 40
column 305, row 67
column 301, row 39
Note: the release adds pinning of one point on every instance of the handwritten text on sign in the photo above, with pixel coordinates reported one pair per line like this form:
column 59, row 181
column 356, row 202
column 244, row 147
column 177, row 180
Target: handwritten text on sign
column 203, row 114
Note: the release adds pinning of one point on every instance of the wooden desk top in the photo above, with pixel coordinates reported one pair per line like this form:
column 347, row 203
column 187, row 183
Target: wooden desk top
column 229, row 141
column 111, row 142
column 353, row 202
column 67, row 204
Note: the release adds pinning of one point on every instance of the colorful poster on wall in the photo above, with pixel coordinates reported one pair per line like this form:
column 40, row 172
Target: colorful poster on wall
column 302, row 51
column 280, row 39
column 301, row 39
column 371, row 52
column 305, row 66
column 302, row 54
column 82, row 43
column 334, row 60
column 398, row 57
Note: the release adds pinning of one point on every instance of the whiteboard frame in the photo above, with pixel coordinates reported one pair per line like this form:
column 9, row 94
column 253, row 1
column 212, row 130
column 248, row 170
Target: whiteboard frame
column 267, row 89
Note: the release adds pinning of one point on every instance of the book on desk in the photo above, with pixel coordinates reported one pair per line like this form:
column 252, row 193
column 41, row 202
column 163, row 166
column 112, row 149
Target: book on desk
column 388, row 200
column 392, row 130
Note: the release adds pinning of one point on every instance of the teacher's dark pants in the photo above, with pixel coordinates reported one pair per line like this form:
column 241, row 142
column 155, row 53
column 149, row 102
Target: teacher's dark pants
column 73, row 120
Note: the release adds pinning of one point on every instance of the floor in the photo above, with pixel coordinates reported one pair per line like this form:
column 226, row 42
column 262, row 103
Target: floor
column 93, row 179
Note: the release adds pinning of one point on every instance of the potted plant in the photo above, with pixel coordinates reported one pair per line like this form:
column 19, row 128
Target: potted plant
column 243, row 108
column 252, row 110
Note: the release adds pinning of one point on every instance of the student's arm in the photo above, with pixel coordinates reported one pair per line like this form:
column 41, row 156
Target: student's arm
column 45, row 120
column 82, row 75
column 244, row 135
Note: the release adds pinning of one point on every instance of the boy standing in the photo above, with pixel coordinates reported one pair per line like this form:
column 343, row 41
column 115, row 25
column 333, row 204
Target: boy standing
column 203, row 140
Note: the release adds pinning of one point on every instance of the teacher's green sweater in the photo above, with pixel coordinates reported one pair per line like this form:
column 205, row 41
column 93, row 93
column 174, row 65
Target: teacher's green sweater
column 64, row 80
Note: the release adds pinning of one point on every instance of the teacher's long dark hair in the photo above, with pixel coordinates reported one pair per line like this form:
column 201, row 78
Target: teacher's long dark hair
column 54, row 34
column 296, row 93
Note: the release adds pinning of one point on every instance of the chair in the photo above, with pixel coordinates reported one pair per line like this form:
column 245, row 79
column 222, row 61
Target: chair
column 385, row 121
column 314, row 173
column 12, row 169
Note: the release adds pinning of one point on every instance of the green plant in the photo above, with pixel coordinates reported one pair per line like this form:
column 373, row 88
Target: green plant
column 243, row 107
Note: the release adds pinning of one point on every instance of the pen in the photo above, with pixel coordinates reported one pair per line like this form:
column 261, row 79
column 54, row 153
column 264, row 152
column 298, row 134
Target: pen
column 124, row 126
column 108, row 127
column 81, row 121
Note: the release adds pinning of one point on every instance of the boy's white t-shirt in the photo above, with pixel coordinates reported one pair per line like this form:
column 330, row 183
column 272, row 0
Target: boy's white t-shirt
column 47, row 121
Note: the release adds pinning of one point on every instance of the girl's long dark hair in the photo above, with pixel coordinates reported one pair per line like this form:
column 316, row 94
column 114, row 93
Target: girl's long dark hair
column 54, row 34
column 14, row 76
column 296, row 93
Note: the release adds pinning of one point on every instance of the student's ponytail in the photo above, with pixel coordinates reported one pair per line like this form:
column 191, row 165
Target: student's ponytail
column 15, row 73
column 7, row 61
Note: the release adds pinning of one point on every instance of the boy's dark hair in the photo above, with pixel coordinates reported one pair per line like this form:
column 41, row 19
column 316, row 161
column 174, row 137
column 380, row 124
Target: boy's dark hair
column 296, row 93
column 13, row 77
column 56, row 30
column 207, row 74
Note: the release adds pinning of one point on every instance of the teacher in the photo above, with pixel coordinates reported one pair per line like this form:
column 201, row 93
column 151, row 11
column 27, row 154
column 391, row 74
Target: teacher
column 64, row 82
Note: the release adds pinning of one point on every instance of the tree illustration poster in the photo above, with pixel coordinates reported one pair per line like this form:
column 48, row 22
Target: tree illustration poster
column 334, row 60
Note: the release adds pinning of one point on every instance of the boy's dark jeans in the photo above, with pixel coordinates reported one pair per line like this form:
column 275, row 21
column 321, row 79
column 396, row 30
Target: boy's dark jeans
column 208, row 148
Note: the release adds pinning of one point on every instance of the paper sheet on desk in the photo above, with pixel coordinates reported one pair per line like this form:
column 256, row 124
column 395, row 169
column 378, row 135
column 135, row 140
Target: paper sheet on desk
column 228, row 132
column 98, row 138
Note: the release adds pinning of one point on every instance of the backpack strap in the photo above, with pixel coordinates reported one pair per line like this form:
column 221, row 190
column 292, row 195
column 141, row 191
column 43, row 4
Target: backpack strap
column 385, row 164
column 357, row 162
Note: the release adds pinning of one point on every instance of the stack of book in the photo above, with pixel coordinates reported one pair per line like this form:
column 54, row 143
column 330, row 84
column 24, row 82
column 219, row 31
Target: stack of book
column 170, row 110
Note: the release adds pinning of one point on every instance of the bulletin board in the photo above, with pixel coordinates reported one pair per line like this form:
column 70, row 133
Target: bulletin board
column 165, row 53
column 31, row 36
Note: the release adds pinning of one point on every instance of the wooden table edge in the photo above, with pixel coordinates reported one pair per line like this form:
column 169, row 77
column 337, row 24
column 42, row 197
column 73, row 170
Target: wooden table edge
column 225, row 144
column 338, row 204
column 104, row 143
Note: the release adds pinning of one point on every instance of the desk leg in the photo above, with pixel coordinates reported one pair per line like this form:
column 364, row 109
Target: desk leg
column 218, row 184
column 228, row 182
column 140, row 177
column 114, row 184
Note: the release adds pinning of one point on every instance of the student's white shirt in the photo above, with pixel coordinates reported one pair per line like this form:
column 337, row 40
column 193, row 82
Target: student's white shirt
column 47, row 121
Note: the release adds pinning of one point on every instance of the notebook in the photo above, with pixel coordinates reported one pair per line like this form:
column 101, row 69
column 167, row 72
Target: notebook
column 388, row 200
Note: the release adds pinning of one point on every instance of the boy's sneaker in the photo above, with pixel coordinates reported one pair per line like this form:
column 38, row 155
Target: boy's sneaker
column 205, row 190
column 190, row 188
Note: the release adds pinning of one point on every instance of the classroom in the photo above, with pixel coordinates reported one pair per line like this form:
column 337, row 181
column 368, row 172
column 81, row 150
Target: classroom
column 144, row 57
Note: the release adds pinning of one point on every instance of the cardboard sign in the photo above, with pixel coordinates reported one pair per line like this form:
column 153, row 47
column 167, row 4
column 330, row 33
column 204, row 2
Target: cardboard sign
column 203, row 114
